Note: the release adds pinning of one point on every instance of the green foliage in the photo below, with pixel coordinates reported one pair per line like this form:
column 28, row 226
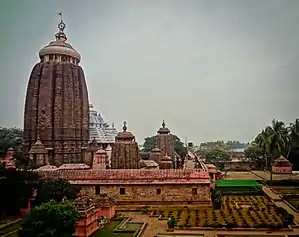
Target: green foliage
column 50, row 219
column 10, row 138
column 275, row 140
column 216, row 155
column 56, row 189
column 149, row 144
column 16, row 187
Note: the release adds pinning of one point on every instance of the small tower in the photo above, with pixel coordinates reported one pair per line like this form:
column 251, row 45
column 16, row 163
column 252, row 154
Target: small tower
column 125, row 152
column 164, row 141
column 100, row 160
column 90, row 151
column 166, row 162
column 39, row 154
column 109, row 152
column 155, row 155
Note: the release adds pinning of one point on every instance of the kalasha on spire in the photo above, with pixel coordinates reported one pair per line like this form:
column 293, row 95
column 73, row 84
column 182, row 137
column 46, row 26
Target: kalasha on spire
column 57, row 106
column 61, row 26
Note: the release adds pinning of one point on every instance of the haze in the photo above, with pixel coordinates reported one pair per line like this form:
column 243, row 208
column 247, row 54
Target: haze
column 213, row 70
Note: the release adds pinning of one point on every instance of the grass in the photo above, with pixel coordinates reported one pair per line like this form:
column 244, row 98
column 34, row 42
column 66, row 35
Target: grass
column 107, row 231
column 237, row 183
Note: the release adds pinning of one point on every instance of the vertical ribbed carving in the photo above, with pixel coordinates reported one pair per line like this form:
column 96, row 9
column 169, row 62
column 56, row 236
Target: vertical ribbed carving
column 57, row 103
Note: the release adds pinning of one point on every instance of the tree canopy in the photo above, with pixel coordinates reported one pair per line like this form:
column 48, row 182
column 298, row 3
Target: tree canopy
column 149, row 144
column 15, row 187
column 216, row 155
column 56, row 189
column 275, row 140
column 50, row 219
column 10, row 138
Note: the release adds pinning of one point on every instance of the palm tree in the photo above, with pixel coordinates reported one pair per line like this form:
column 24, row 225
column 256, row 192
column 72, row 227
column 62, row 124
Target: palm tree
column 274, row 141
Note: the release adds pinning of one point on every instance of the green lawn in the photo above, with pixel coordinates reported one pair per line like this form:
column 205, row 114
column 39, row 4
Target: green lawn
column 237, row 183
column 107, row 231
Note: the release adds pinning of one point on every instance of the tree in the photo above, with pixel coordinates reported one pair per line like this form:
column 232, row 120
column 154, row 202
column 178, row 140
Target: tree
column 16, row 187
column 50, row 219
column 255, row 155
column 274, row 141
column 216, row 155
column 56, row 189
column 149, row 144
column 10, row 138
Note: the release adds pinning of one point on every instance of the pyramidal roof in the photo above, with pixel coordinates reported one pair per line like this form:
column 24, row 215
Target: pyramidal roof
column 99, row 129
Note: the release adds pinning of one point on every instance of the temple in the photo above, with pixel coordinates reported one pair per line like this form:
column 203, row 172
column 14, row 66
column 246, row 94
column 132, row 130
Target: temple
column 164, row 141
column 125, row 152
column 57, row 106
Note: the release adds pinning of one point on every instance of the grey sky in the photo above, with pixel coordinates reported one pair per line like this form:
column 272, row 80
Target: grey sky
column 212, row 69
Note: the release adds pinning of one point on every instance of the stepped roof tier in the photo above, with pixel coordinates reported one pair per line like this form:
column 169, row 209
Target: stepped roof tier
column 99, row 129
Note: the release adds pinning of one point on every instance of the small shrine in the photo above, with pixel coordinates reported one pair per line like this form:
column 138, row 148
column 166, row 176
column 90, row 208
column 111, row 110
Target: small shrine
column 88, row 223
column 282, row 166
column 166, row 162
column 105, row 205
column 39, row 154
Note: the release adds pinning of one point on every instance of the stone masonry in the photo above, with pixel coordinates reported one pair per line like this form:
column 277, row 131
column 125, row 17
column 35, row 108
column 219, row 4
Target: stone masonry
column 57, row 106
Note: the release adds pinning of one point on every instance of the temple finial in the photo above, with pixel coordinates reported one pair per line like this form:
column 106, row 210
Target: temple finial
column 163, row 124
column 61, row 26
column 125, row 126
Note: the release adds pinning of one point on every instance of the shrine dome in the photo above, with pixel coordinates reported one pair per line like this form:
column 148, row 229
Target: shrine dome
column 60, row 47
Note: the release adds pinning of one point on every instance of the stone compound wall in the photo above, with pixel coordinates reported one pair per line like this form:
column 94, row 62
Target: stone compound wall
column 153, row 193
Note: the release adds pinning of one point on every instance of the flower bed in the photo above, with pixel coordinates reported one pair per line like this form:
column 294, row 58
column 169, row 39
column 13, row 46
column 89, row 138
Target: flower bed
column 236, row 212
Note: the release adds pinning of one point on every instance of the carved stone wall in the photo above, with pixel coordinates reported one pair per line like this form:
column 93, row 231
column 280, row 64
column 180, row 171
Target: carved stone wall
column 57, row 108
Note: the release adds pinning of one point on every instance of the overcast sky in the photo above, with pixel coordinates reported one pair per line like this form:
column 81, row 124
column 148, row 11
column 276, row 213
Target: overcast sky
column 214, row 69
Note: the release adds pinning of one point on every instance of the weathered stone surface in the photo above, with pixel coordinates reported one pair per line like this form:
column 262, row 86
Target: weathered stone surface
column 57, row 108
column 125, row 152
column 164, row 141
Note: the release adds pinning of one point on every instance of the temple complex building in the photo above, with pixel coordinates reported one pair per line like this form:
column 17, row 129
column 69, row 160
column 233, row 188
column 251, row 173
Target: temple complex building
column 125, row 152
column 100, row 130
column 141, row 186
column 57, row 106
column 164, row 141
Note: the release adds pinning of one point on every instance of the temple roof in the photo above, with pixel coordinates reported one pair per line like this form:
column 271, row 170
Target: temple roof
column 125, row 135
column 99, row 129
column 38, row 148
column 163, row 129
column 129, row 176
column 59, row 46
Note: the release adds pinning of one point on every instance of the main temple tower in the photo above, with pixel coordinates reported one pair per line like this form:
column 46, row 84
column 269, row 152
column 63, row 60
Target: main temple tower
column 57, row 106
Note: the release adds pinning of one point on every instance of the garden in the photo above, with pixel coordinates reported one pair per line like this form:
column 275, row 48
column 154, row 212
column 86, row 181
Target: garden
column 289, row 194
column 235, row 212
